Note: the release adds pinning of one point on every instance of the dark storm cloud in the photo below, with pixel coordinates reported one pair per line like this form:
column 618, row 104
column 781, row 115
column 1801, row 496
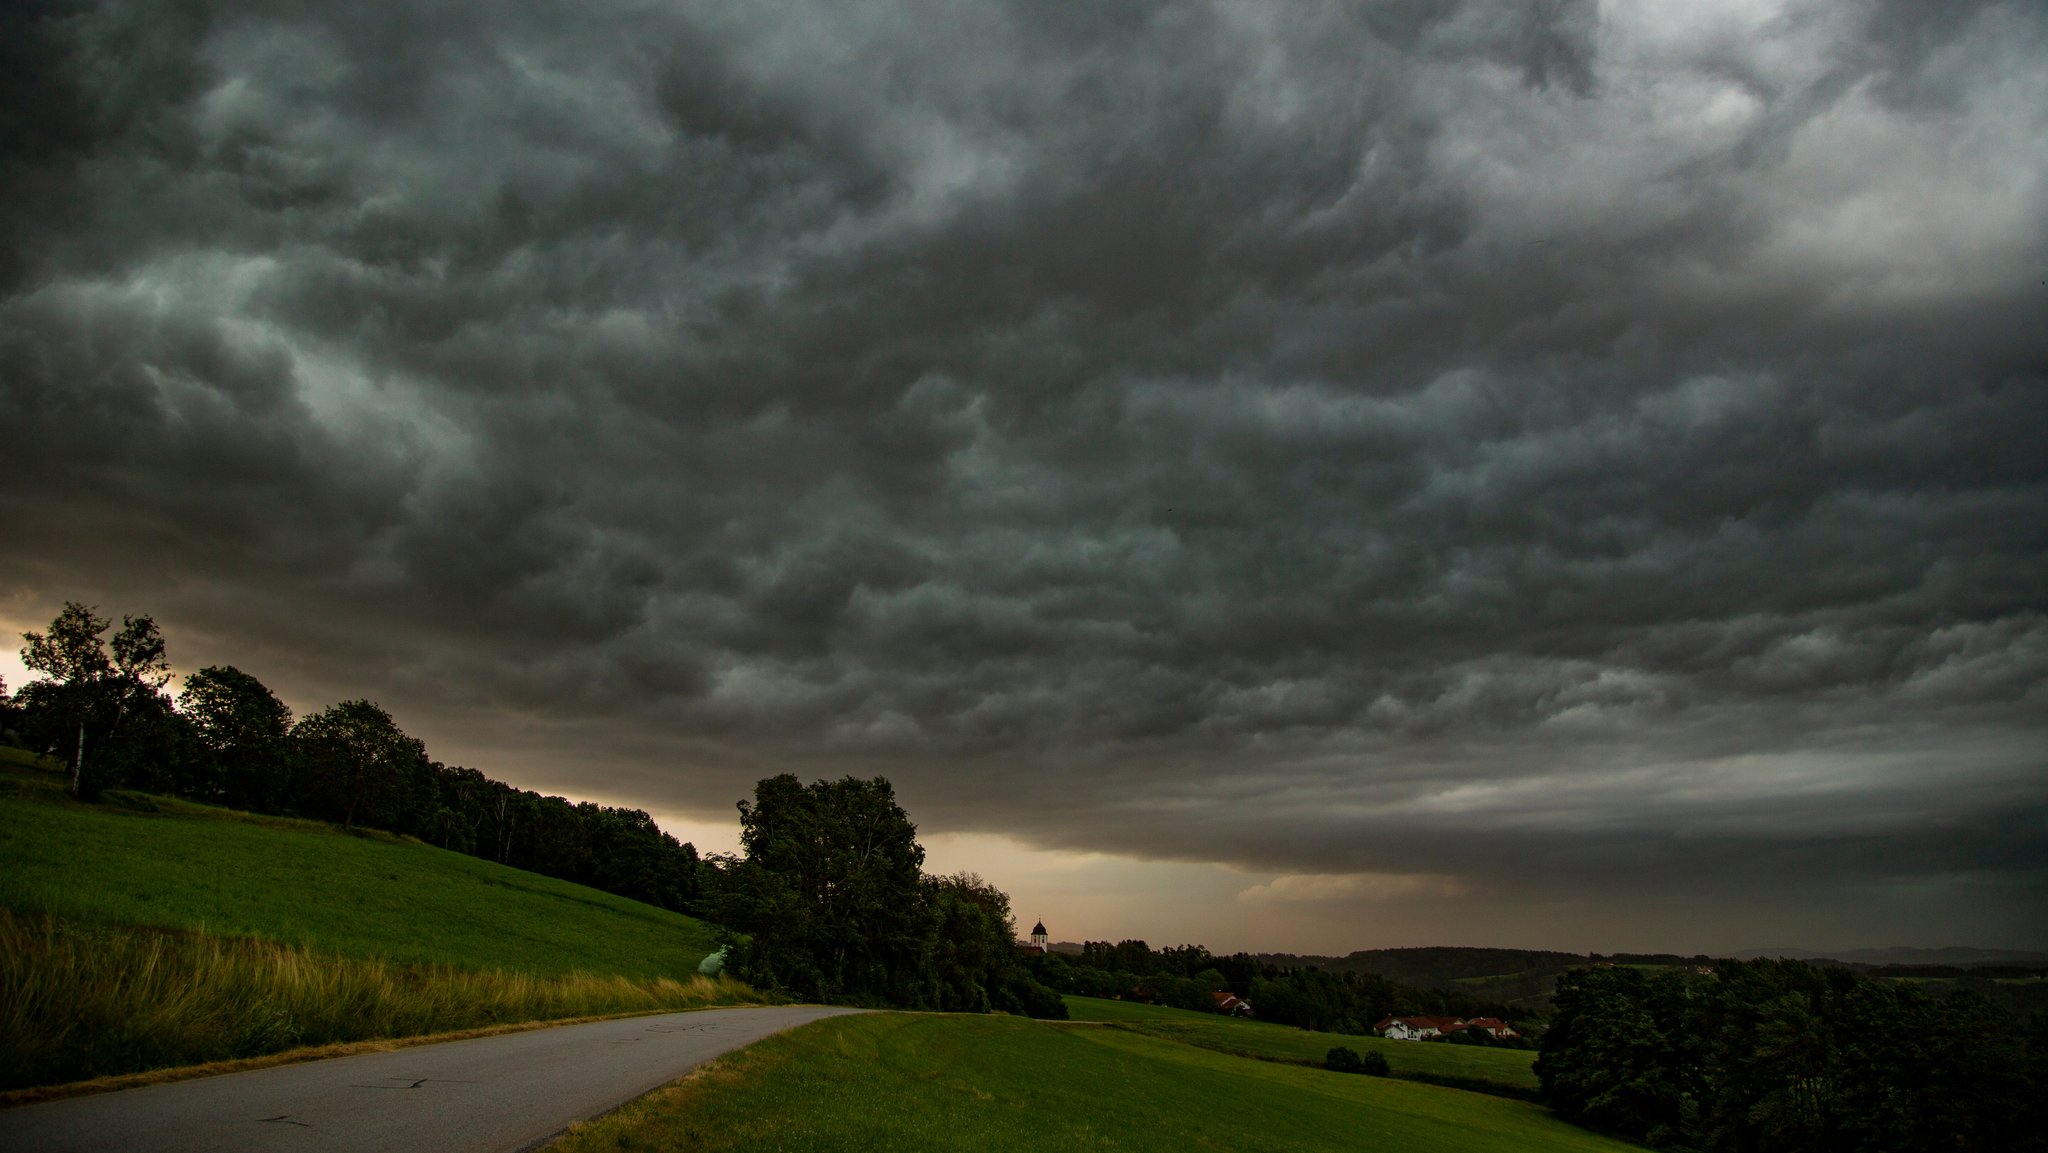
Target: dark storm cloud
column 1537, row 443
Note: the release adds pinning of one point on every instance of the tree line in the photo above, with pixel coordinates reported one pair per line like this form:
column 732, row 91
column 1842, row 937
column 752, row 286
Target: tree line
column 99, row 704
column 827, row 901
column 1307, row 996
column 1774, row 1056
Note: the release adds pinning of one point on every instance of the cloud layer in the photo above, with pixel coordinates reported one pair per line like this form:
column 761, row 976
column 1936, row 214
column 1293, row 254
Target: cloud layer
column 1555, row 448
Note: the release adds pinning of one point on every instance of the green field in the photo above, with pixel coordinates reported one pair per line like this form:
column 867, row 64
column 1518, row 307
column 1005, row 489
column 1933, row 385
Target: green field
column 146, row 933
column 890, row 1081
column 214, row 871
column 1502, row 1071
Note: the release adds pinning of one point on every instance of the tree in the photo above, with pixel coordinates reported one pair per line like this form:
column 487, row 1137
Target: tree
column 973, row 941
column 246, row 732
column 359, row 762
column 88, row 688
column 1616, row 1056
column 9, row 711
column 829, row 892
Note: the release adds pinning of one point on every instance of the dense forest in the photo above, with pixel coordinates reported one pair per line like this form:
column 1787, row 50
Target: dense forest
column 226, row 739
column 1777, row 1056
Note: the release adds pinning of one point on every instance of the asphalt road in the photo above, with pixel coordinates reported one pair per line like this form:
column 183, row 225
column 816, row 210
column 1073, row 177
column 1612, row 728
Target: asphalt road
column 487, row 1095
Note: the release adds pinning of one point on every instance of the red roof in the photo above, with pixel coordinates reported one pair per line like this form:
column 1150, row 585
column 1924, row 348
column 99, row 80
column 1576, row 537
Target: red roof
column 1440, row 1024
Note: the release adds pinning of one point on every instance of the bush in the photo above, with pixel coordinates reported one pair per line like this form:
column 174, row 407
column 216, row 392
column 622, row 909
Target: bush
column 1016, row 992
column 1343, row 1059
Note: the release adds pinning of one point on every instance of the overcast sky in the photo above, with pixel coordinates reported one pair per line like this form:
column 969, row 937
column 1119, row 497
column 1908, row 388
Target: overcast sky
column 1279, row 476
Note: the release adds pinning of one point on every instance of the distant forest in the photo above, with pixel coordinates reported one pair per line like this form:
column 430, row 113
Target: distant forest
column 1304, row 995
column 100, row 706
column 1768, row 1056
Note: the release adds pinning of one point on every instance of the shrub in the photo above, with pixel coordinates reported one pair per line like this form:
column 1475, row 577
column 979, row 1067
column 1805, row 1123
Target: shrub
column 1016, row 992
column 1343, row 1059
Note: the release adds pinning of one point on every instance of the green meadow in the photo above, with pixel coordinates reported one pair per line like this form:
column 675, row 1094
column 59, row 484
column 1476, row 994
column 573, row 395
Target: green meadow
column 1505, row 1072
column 146, row 933
column 173, row 864
column 893, row 1081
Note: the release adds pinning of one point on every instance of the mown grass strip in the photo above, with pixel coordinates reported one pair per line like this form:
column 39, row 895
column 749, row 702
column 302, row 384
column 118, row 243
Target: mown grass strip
column 1501, row 1072
column 85, row 1001
column 890, row 1081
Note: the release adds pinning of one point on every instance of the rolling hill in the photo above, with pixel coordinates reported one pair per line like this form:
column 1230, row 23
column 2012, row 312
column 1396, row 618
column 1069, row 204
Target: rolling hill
column 153, row 861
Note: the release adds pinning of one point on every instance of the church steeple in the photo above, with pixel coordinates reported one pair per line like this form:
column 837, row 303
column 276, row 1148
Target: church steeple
column 1038, row 936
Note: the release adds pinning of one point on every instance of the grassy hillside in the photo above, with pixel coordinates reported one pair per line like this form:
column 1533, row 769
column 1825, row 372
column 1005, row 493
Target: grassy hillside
column 179, row 865
column 147, row 933
column 1505, row 1072
column 897, row 1081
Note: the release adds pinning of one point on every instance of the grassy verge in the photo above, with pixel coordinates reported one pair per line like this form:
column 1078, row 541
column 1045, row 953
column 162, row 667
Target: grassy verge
column 1501, row 1072
column 889, row 1081
column 84, row 1001
column 179, row 865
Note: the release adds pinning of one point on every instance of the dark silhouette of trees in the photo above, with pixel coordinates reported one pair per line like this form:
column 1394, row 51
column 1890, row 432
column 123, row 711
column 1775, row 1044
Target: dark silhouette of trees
column 229, row 740
column 357, row 760
column 246, row 733
column 973, row 943
column 829, row 902
column 1783, row 1057
column 89, row 688
column 829, row 890
column 1615, row 1057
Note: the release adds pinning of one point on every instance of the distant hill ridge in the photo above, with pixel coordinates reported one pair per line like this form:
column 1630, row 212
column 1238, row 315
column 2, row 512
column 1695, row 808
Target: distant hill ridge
column 1436, row 963
column 1464, row 963
column 1960, row 956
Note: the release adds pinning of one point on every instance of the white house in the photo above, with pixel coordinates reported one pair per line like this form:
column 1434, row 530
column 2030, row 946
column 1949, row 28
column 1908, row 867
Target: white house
column 1414, row 1028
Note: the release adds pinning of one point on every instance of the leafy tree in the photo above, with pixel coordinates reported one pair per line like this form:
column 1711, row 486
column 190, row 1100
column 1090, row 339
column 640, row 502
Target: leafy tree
column 246, row 731
column 1614, row 1057
column 359, row 762
column 830, row 891
column 89, row 687
column 973, row 939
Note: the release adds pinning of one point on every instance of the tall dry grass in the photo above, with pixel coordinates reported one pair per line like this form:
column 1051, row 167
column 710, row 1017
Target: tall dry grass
column 83, row 1000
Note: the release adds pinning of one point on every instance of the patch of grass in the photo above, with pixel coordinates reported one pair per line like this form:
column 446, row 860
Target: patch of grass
column 140, row 860
column 22, row 758
column 889, row 1081
column 1503, row 1072
column 79, row 1001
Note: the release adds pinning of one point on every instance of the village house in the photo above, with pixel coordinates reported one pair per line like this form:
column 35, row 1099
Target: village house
column 1230, row 1005
column 1415, row 1028
column 1493, row 1026
column 1423, row 1028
